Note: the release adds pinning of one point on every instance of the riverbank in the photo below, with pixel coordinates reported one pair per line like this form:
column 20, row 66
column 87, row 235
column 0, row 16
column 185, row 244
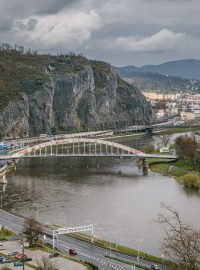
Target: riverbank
column 124, row 137
column 184, row 172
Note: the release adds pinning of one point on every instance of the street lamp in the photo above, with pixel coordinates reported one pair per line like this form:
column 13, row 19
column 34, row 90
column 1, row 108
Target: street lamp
column 23, row 266
column 36, row 210
column 138, row 248
column 162, row 260
column 1, row 199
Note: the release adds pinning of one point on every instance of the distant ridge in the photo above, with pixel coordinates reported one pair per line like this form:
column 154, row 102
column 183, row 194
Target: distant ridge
column 188, row 69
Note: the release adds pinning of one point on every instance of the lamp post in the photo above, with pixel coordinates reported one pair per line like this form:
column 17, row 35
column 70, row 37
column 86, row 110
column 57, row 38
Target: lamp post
column 22, row 245
column 162, row 260
column 36, row 210
column 138, row 248
column 1, row 199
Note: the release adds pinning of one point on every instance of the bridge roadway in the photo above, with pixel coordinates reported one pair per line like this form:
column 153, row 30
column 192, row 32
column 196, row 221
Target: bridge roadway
column 86, row 251
column 16, row 157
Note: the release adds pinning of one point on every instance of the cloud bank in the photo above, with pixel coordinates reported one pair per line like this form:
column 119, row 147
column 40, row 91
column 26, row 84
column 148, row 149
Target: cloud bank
column 121, row 32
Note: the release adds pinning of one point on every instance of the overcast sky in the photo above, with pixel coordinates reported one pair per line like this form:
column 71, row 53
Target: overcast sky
column 122, row 32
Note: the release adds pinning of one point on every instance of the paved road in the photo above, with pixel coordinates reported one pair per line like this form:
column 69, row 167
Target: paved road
column 86, row 252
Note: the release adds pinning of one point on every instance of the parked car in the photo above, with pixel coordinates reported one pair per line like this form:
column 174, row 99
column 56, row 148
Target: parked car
column 154, row 267
column 53, row 254
column 72, row 251
column 18, row 263
column 13, row 254
column 1, row 258
column 20, row 256
column 1, row 244
column 26, row 259
column 164, row 150
column 6, row 260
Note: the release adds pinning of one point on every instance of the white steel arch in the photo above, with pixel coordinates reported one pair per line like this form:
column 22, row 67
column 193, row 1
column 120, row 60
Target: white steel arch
column 95, row 142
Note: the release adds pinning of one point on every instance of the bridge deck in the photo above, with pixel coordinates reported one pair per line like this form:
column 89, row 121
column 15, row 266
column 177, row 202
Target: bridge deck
column 13, row 157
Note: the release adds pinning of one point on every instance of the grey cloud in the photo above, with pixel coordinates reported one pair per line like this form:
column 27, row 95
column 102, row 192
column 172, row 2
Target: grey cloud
column 31, row 24
column 120, row 20
column 24, row 8
column 5, row 21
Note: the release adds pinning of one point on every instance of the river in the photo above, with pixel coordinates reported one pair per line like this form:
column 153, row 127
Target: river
column 109, row 193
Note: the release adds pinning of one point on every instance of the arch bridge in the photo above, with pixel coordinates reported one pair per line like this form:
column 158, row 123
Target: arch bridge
column 82, row 147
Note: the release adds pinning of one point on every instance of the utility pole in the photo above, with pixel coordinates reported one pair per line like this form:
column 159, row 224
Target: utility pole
column 36, row 210
column 23, row 266
column 1, row 199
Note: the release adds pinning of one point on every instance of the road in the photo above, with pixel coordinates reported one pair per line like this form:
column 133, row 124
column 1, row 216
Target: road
column 86, row 252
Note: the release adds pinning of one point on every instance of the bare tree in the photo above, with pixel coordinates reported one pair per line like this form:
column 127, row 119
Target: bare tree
column 32, row 231
column 165, row 139
column 46, row 264
column 186, row 147
column 182, row 242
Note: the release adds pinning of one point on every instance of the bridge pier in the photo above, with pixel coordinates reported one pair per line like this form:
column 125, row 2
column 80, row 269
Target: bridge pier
column 145, row 167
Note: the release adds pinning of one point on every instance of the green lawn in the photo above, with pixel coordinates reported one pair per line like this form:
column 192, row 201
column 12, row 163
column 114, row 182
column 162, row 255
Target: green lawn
column 178, row 130
column 6, row 233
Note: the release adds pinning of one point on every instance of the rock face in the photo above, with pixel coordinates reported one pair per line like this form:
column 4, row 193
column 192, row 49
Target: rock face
column 70, row 93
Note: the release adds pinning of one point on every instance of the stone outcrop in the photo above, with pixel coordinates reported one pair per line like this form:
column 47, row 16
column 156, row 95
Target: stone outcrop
column 87, row 95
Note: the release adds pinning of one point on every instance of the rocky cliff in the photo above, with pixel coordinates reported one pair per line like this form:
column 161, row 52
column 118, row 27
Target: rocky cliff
column 44, row 94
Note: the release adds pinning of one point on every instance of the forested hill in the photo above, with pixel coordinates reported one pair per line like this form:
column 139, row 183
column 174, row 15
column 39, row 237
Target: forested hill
column 181, row 75
column 45, row 93
column 188, row 69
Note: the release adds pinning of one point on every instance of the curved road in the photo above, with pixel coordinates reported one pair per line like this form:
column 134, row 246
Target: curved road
column 85, row 251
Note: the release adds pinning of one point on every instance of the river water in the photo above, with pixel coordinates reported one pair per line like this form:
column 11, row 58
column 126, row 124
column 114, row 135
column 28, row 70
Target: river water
column 109, row 193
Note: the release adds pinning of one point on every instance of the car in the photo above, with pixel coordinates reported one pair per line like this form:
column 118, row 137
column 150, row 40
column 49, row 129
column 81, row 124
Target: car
column 13, row 254
column 6, row 260
column 72, row 251
column 164, row 150
column 20, row 256
column 53, row 254
column 28, row 259
column 1, row 244
column 1, row 258
column 18, row 263
column 154, row 267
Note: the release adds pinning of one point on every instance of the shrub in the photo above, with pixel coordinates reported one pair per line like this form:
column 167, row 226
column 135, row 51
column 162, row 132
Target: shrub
column 149, row 148
column 191, row 180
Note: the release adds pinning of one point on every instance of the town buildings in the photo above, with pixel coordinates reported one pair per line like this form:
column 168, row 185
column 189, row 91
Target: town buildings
column 167, row 105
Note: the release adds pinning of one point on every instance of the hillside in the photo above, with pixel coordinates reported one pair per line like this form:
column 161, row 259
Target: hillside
column 151, row 77
column 45, row 93
column 157, row 81
column 189, row 69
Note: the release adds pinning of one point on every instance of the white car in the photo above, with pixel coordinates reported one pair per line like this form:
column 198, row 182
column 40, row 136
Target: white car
column 1, row 244
column 164, row 150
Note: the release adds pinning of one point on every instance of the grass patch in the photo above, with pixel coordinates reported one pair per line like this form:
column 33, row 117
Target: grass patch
column 123, row 137
column 178, row 130
column 4, row 233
